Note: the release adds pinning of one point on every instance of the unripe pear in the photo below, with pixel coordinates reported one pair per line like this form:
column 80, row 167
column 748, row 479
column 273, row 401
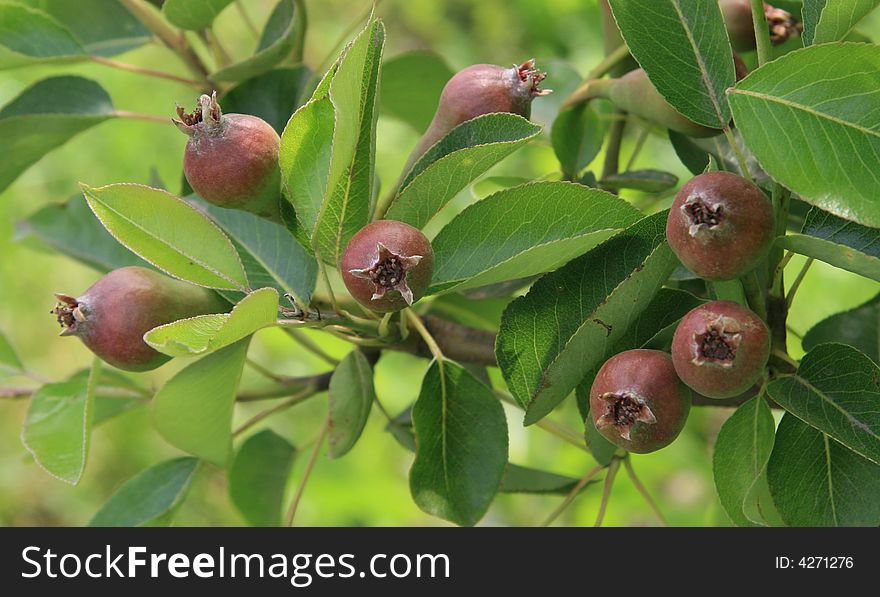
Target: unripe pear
column 231, row 160
column 113, row 315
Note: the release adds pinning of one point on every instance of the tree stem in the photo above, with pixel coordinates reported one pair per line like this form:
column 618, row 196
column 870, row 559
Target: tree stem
column 606, row 490
column 569, row 498
column 133, row 68
column 797, row 281
column 291, row 513
column 627, row 463
column 762, row 31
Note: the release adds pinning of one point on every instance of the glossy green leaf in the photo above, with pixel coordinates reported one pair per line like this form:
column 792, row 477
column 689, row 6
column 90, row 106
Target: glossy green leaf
column 258, row 476
column 328, row 148
column 815, row 481
column 58, row 426
column 808, row 118
column 741, row 453
column 832, row 21
column 523, row 479
column 168, row 233
column 104, row 28
column 193, row 14
column 683, row 46
column 273, row 96
column 461, row 438
column 29, row 36
column 647, row 181
column 10, row 364
column 271, row 256
column 150, row 495
column 859, row 328
column 193, row 410
column 525, row 230
column 837, row 391
column 841, row 243
column 694, row 157
column 205, row 334
column 411, row 87
column 455, row 161
column 351, row 395
column 72, row 229
column 280, row 38
column 551, row 338
column 601, row 449
column 577, row 136
column 44, row 117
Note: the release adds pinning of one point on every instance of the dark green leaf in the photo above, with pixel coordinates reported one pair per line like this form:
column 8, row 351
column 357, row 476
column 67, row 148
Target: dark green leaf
column 814, row 481
column 807, row 118
column 523, row 231
column 411, row 87
column 29, row 36
column 461, row 434
column 455, row 161
column 859, row 327
column 44, row 117
column 193, row 14
column 841, row 243
column 694, row 157
column 148, row 496
column 273, row 96
column 832, row 21
column 577, row 137
column 523, row 479
column 281, row 37
column 683, row 46
column 258, row 476
column 73, row 230
column 351, row 397
column 551, row 338
column 741, row 453
column 837, row 391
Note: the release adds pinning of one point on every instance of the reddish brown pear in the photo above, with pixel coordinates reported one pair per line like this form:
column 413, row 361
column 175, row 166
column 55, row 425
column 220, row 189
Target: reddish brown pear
column 387, row 265
column 231, row 160
column 113, row 315
column 637, row 401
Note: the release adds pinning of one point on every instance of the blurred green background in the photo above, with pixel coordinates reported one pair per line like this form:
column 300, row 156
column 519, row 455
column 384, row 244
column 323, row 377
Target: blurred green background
column 369, row 486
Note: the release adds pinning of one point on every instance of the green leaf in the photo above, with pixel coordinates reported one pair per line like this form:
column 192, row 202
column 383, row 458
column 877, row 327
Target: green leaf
column 461, row 438
column 29, row 36
column 683, row 46
column 271, row 256
column 328, row 148
column 525, row 230
column 168, row 233
column 58, row 426
column 523, row 479
column 71, row 229
column 152, row 494
column 351, row 395
column 104, row 28
column 859, row 327
column 694, row 157
column 455, row 161
column 806, row 118
column 193, row 14
column 837, row 391
column 730, row 290
column 815, row 481
column 741, row 453
column 411, row 87
column 193, row 410
column 841, row 243
column 205, row 334
column 115, row 394
column 577, row 136
column 281, row 37
column 10, row 364
column 258, row 476
column 601, row 449
column 552, row 337
column 273, row 96
column 832, row 21
column 647, row 181
column 44, row 117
